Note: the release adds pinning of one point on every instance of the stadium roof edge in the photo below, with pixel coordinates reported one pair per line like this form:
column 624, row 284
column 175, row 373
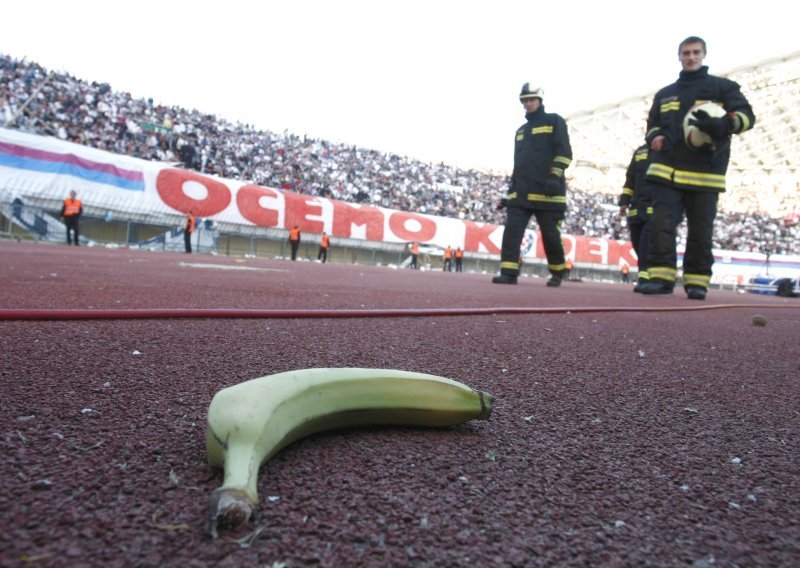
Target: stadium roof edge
column 734, row 71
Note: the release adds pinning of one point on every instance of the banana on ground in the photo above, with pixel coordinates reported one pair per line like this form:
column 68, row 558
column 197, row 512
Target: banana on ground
column 250, row 422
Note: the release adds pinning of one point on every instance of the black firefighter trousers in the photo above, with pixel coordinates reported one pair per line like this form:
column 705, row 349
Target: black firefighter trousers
column 640, row 228
column 700, row 208
column 517, row 219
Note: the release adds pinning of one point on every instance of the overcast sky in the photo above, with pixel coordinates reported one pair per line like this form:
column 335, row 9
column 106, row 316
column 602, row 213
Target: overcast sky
column 436, row 80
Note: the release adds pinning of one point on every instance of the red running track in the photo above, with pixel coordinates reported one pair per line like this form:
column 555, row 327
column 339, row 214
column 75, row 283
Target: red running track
column 627, row 430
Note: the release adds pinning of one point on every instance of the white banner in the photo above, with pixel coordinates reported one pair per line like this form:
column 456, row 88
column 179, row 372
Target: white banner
column 45, row 167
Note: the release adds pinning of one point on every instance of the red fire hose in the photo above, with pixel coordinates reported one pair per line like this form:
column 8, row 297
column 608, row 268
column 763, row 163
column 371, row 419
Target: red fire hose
column 27, row 314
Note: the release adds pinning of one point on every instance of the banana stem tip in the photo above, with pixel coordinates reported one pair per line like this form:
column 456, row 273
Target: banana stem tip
column 228, row 508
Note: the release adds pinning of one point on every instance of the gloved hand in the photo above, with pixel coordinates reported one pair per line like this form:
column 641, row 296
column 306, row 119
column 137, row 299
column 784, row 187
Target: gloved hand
column 502, row 204
column 718, row 127
column 552, row 186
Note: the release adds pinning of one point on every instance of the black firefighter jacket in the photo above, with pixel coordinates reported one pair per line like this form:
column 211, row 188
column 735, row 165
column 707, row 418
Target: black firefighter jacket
column 541, row 149
column 677, row 164
column 636, row 194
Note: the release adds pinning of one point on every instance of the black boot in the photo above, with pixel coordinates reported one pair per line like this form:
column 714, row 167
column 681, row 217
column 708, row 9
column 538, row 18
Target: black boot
column 504, row 279
column 695, row 293
column 554, row 281
column 655, row 286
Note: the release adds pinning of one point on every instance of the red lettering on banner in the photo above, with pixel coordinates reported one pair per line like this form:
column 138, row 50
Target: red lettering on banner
column 622, row 253
column 569, row 246
column 298, row 210
column 600, row 253
column 603, row 251
column 248, row 200
column 477, row 237
column 345, row 217
column 398, row 224
column 170, row 187
column 540, row 246
column 312, row 215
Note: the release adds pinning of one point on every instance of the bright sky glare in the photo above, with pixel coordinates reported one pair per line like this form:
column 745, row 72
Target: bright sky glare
column 435, row 80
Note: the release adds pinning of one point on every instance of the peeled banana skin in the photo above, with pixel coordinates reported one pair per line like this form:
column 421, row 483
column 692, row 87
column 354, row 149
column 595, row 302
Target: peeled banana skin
column 250, row 422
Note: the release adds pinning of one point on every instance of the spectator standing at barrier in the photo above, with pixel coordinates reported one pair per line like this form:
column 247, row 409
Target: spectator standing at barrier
column 188, row 231
column 324, row 245
column 71, row 212
column 636, row 203
column 542, row 152
column 414, row 255
column 448, row 259
column 459, row 255
column 688, row 180
column 294, row 241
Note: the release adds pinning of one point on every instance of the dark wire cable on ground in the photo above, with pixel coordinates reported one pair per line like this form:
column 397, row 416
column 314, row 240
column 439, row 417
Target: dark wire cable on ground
column 179, row 313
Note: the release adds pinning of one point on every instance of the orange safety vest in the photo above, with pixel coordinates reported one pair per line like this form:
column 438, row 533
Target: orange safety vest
column 448, row 253
column 325, row 241
column 459, row 253
column 415, row 248
column 72, row 207
column 189, row 227
column 294, row 235
column 624, row 268
column 569, row 265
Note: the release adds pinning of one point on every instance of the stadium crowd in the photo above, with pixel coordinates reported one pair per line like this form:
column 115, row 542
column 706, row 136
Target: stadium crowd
column 45, row 102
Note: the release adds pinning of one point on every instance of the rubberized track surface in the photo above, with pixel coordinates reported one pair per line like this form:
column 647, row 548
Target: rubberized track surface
column 618, row 438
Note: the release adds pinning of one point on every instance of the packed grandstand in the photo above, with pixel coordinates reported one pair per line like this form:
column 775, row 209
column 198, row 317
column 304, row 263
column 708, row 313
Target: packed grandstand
column 759, row 213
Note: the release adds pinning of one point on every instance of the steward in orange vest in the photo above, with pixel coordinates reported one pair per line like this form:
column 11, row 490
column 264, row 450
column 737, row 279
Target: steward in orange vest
column 70, row 213
column 324, row 245
column 188, row 229
column 414, row 255
column 294, row 241
column 448, row 255
column 459, row 257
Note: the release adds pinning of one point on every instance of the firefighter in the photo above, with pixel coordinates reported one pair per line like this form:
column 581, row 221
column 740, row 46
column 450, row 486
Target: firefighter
column 71, row 212
column 687, row 180
column 636, row 203
column 294, row 241
column 188, row 230
column 324, row 245
column 542, row 152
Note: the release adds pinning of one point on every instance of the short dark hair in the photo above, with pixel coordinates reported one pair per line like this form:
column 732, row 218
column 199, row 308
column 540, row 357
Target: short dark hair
column 692, row 39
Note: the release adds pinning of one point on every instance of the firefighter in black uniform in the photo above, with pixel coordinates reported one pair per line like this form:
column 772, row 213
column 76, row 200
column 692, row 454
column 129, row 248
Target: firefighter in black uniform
column 636, row 202
column 688, row 180
column 541, row 154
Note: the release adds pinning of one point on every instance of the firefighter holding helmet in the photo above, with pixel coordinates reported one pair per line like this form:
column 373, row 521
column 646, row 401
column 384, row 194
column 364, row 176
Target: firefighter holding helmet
column 688, row 180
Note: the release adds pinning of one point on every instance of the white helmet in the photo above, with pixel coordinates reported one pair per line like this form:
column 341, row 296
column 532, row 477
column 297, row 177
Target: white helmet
column 530, row 90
